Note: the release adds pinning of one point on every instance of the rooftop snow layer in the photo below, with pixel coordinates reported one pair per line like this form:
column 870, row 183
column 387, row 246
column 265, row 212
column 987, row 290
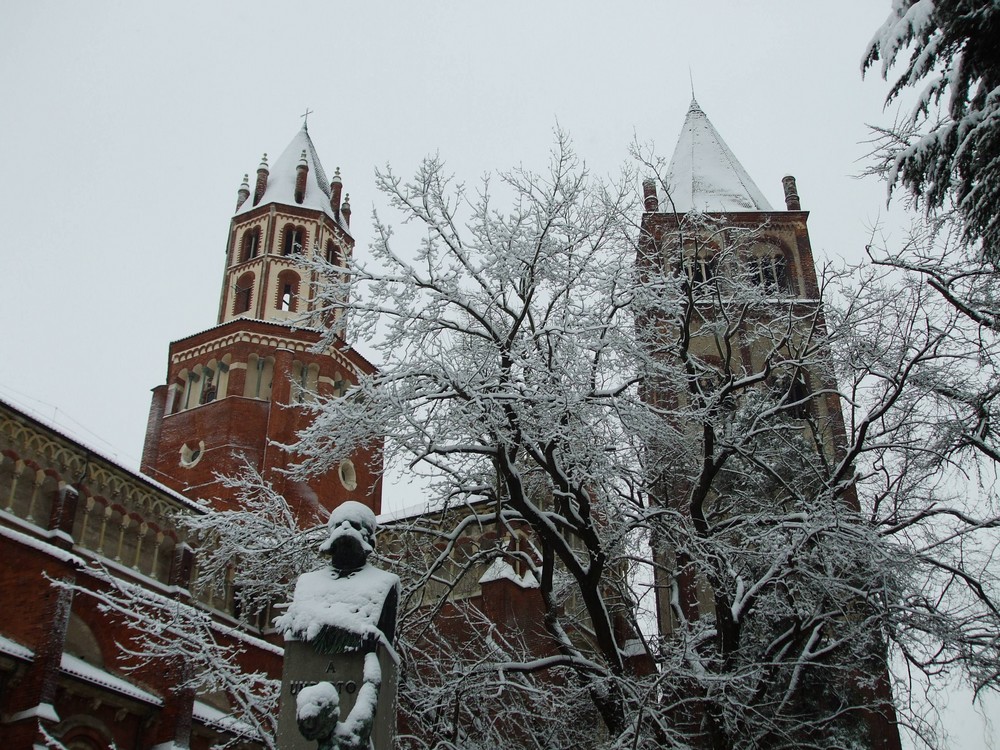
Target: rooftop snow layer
column 500, row 570
column 705, row 176
column 33, row 416
column 77, row 667
column 281, row 179
column 10, row 648
column 212, row 716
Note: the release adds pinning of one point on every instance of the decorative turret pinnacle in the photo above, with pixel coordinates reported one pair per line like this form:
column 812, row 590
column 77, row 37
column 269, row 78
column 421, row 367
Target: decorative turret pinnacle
column 336, row 185
column 301, row 171
column 261, row 186
column 244, row 192
column 792, row 202
column 345, row 210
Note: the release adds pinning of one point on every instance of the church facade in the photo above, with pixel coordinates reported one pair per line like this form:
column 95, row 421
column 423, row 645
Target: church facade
column 73, row 521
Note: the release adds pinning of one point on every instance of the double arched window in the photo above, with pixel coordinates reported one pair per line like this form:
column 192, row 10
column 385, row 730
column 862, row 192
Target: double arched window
column 293, row 240
column 203, row 384
column 305, row 381
column 260, row 373
column 767, row 270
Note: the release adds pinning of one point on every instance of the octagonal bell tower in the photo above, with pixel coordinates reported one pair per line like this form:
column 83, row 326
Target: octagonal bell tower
column 237, row 394
column 293, row 213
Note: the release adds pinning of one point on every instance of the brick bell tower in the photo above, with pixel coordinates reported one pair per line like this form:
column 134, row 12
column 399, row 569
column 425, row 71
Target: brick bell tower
column 234, row 392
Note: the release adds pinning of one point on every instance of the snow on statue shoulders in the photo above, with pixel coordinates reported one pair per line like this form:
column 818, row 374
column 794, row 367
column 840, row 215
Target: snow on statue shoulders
column 342, row 614
column 351, row 605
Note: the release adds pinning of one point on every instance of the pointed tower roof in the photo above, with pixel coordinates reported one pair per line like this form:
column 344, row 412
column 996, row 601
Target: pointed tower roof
column 281, row 180
column 704, row 175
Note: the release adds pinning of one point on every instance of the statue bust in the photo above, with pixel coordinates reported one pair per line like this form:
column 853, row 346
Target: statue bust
column 345, row 612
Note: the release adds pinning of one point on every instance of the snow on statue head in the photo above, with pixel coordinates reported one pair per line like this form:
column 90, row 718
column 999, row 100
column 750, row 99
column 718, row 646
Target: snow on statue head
column 351, row 539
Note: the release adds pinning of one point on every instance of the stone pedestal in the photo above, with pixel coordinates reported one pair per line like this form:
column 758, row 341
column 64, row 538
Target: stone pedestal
column 305, row 666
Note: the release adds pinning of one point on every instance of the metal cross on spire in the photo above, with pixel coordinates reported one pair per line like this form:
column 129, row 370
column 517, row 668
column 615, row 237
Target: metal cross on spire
column 305, row 118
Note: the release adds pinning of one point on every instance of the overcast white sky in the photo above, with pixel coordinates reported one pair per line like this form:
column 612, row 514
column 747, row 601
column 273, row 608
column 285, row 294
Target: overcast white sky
column 126, row 128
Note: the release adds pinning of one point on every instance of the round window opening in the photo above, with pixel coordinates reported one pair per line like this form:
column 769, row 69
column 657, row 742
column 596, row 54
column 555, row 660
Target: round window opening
column 348, row 476
column 191, row 456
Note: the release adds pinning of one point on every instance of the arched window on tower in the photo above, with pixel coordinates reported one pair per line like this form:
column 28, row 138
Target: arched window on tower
column 332, row 253
column 251, row 244
column 288, row 291
column 243, row 293
column 795, row 393
column 766, row 268
column 698, row 272
column 293, row 240
column 209, row 386
column 186, row 381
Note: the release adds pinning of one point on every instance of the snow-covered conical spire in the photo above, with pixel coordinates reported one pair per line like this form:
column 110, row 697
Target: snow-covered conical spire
column 704, row 175
column 284, row 178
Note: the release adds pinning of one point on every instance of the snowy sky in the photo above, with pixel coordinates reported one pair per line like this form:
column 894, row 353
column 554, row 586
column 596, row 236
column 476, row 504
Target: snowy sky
column 126, row 128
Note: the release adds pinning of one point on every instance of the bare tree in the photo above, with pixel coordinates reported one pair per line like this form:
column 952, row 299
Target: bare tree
column 723, row 503
column 932, row 487
column 675, row 422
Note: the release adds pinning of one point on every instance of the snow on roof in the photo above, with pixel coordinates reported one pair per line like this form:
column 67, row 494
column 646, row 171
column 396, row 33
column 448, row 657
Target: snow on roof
column 77, row 667
column 342, row 348
column 60, row 430
column 42, row 546
column 353, row 603
column 211, row 716
column 10, row 648
column 281, row 179
column 501, row 570
column 405, row 512
column 705, row 176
